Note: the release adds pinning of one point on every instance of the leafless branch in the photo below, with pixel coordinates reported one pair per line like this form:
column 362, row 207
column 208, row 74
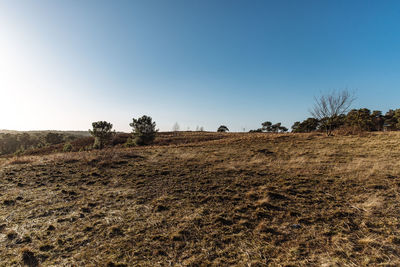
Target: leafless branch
column 332, row 105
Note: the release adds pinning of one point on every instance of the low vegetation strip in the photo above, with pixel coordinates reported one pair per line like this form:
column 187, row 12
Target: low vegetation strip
column 245, row 200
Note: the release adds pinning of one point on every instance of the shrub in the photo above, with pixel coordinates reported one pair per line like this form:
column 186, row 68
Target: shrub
column 223, row 129
column 102, row 133
column 83, row 142
column 130, row 142
column 349, row 130
column 308, row 125
column 68, row 147
column 144, row 130
column 54, row 138
column 120, row 138
column 259, row 130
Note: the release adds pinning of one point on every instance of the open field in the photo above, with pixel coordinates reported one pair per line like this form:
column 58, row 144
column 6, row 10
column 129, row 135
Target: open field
column 233, row 199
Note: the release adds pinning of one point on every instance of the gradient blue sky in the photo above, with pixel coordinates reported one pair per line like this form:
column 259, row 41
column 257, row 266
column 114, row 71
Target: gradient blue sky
column 64, row 64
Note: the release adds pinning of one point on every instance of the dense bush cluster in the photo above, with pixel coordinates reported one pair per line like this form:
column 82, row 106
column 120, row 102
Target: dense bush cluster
column 268, row 127
column 21, row 142
column 361, row 119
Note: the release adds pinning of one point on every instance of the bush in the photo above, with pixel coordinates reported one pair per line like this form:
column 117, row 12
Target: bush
column 130, row 142
column 144, row 139
column 83, row 142
column 120, row 138
column 54, row 138
column 102, row 132
column 350, row 130
column 144, row 130
column 68, row 147
column 222, row 129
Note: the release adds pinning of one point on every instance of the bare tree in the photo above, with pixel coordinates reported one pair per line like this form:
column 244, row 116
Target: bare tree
column 175, row 128
column 329, row 107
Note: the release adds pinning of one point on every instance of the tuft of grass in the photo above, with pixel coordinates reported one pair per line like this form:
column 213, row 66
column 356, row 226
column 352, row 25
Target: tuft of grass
column 29, row 258
column 11, row 235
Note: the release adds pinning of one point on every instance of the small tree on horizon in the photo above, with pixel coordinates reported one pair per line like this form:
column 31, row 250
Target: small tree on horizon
column 176, row 127
column 283, row 129
column 144, row 130
column 102, row 133
column 275, row 127
column 266, row 126
column 222, row 129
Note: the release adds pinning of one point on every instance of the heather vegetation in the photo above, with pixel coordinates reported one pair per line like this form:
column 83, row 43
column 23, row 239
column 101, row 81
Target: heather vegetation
column 102, row 135
column 212, row 199
column 242, row 162
column 331, row 119
column 323, row 195
column 20, row 143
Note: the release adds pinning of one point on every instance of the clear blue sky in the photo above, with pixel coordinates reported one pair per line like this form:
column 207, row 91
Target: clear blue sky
column 64, row 64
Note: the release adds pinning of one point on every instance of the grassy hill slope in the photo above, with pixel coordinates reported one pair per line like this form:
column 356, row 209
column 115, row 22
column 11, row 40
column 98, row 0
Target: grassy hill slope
column 244, row 199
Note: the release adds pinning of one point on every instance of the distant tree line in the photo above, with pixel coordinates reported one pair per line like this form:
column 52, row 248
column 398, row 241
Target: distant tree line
column 330, row 112
column 360, row 119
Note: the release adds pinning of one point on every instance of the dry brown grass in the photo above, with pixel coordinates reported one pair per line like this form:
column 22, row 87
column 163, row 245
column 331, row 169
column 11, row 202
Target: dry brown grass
column 19, row 160
column 237, row 199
